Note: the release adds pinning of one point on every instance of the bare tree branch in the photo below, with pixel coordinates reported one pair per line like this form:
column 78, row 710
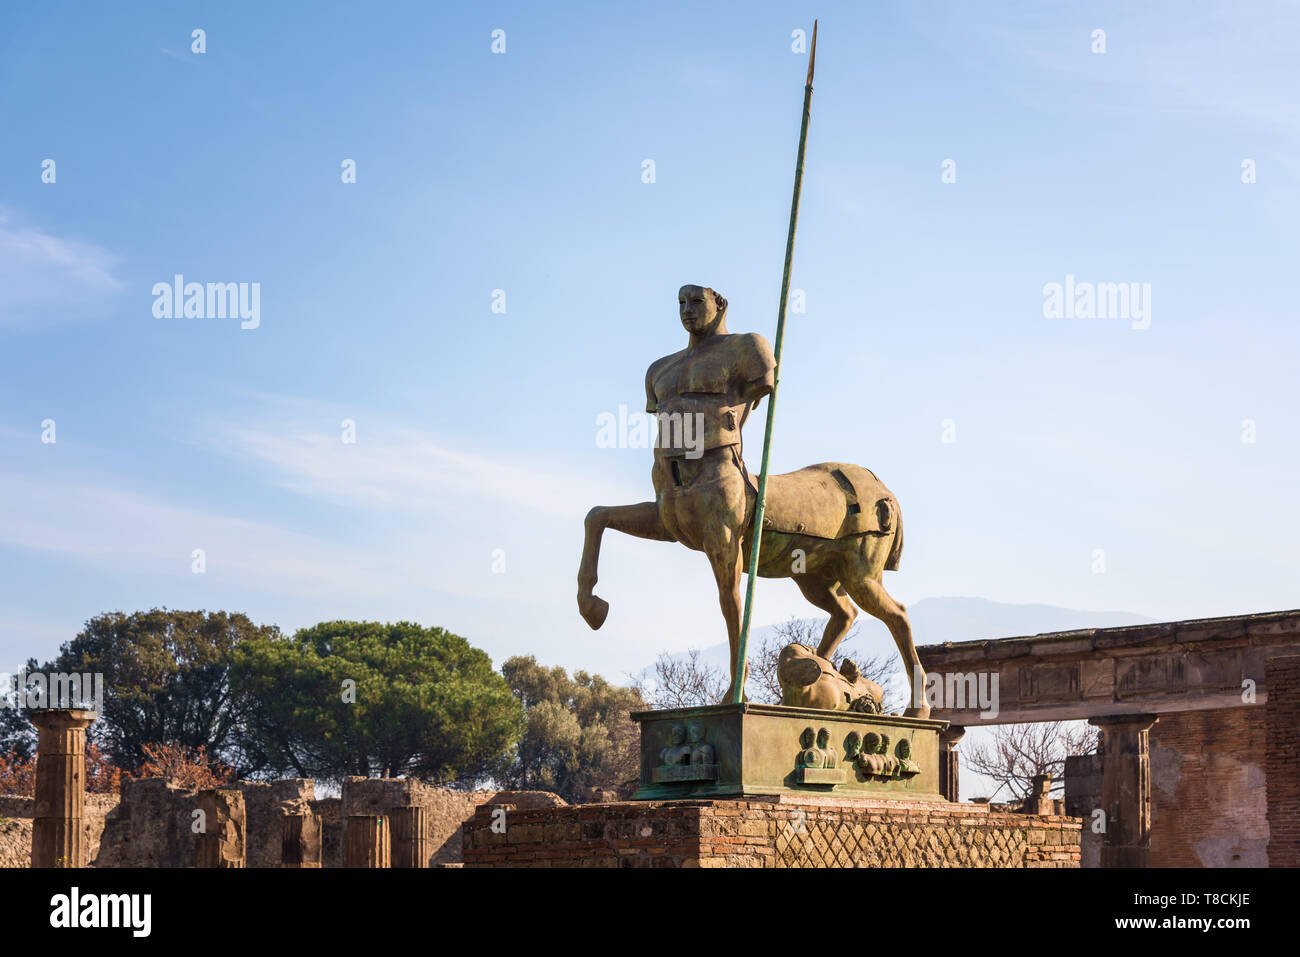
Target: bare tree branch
column 687, row 681
column 682, row 682
column 1019, row 752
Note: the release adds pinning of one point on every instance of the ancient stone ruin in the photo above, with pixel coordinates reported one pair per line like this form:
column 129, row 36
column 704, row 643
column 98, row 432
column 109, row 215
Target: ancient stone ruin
column 155, row 824
column 1197, row 767
column 1200, row 732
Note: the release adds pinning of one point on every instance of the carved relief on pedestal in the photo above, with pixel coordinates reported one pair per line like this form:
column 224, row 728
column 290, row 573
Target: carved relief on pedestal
column 872, row 754
column 874, row 757
column 677, row 751
column 818, row 761
column 687, row 757
column 701, row 751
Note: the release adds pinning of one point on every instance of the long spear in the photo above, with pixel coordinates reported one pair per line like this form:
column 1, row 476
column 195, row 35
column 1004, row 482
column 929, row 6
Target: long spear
column 742, row 646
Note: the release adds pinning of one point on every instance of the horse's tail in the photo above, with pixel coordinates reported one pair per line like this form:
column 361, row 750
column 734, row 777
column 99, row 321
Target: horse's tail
column 896, row 547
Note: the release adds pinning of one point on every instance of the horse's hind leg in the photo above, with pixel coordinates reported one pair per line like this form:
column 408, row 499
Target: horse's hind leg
column 639, row 520
column 872, row 598
column 829, row 595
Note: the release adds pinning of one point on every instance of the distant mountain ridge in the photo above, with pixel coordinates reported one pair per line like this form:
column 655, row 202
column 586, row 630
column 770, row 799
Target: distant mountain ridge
column 936, row 620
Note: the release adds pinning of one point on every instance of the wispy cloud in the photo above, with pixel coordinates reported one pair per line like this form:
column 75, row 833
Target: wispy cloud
column 1163, row 57
column 394, row 467
column 45, row 278
column 123, row 529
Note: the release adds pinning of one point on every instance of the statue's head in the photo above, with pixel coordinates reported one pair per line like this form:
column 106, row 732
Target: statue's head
column 703, row 312
column 696, row 733
column 823, row 738
column 678, row 734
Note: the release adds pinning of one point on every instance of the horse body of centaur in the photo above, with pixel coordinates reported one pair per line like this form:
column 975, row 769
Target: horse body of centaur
column 833, row 528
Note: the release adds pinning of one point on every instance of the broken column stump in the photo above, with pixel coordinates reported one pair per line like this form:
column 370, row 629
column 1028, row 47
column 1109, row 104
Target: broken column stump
column 410, row 825
column 57, row 830
column 224, row 822
column 301, row 843
column 367, row 841
column 1040, row 800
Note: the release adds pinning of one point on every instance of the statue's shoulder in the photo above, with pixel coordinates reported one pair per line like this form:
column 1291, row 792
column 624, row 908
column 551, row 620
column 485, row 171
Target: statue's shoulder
column 664, row 361
column 751, row 340
column 753, row 347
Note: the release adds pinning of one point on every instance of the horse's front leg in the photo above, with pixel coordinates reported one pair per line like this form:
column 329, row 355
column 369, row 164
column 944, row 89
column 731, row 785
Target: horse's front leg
column 723, row 551
column 639, row 520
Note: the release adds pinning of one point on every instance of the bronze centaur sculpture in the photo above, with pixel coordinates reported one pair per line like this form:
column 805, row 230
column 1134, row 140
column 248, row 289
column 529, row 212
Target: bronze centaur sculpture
column 832, row 528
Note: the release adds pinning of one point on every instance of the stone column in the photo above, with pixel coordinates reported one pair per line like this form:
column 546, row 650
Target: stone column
column 301, row 843
column 1126, row 789
column 1040, row 801
column 221, row 843
column 57, row 831
column 368, row 842
column 948, row 761
column 410, row 825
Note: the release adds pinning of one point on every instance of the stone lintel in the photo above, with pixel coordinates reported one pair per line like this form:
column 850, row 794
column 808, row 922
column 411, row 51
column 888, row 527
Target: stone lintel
column 1267, row 628
column 1193, row 665
column 1075, row 709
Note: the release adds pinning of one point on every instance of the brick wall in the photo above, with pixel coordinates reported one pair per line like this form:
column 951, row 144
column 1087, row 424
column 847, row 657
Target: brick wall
column 1282, row 760
column 770, row 833
column 1208, row 795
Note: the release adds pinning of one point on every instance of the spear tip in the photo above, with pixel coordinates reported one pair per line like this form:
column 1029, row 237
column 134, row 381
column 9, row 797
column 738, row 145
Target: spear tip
column 812, row 55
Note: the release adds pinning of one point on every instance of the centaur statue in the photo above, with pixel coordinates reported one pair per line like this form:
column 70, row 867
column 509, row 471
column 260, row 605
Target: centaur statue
column 832, row 528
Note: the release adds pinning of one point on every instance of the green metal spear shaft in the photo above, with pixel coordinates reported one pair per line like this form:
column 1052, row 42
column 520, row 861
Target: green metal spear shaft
column 742, row 646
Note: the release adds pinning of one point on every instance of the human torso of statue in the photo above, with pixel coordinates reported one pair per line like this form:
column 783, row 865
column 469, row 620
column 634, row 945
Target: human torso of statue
column 703, row 395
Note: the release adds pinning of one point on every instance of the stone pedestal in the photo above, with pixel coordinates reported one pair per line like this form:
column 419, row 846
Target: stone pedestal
column 734, row 750
column 410, row 825
column 1126, row 789
column 776, row 831
column 57, row 831
column 368, row 843
column 222, row 842
column 301, row 844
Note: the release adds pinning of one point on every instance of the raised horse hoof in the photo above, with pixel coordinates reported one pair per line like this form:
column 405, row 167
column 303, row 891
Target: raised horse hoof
column 922, row 712
column 593, row 611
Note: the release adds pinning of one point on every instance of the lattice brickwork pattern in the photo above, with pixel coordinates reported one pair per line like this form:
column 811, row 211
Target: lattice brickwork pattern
column 757, row 833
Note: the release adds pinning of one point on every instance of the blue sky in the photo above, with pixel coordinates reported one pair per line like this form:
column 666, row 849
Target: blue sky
column 522, row 171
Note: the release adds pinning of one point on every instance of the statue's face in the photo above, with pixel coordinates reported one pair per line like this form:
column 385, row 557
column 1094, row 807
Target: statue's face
column 678, row 734
column 698, row 311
